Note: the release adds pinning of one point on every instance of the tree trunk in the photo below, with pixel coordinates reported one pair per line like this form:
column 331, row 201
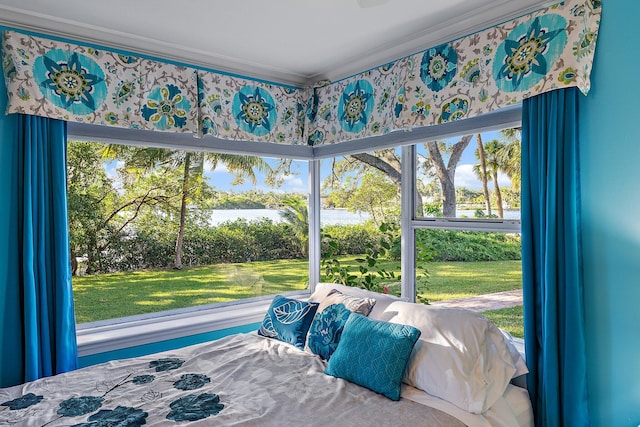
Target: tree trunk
column 483, row 173
column 177, row 264
column 446, row 174
column 498, row 194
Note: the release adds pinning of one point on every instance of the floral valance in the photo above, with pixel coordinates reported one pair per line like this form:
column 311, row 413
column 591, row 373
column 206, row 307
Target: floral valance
column 549, row 49
column 546, row 50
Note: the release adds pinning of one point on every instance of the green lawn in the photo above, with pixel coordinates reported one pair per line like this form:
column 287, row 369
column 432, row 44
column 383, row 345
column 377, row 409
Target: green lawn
column 108, row 296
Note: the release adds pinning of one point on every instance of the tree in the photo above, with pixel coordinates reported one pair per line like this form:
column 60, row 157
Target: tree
column 296, row 214
column 494, row 158
column 510, row 155
column 446, row 173
column 140, row 159
column 98, row 213
column 481, row 171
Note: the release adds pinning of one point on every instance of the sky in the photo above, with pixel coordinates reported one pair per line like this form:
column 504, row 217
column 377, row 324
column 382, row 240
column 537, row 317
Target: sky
column 299, row 183
column 221, row 180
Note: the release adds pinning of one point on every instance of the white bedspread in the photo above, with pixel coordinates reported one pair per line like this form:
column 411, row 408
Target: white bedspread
column 241, row 380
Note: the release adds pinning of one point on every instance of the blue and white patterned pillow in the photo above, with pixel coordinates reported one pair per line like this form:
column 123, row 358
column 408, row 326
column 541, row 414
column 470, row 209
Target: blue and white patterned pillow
column 288, row 320
column 373, row 354
column 333, row 312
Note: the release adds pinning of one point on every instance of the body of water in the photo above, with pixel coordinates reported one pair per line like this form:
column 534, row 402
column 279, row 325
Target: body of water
column 327, row 216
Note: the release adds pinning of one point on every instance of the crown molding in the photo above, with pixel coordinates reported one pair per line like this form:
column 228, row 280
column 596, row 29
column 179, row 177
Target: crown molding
column 83, row 33
column 489, row 15
column 463, row 25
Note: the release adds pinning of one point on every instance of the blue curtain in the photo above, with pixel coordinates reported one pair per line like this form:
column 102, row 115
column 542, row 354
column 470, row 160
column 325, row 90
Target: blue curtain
column 47, row 312
column 552, row 270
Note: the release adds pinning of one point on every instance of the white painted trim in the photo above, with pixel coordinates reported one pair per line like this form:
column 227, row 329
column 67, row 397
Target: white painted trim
column 315, row 240
column 101, row 337
column 408, row 236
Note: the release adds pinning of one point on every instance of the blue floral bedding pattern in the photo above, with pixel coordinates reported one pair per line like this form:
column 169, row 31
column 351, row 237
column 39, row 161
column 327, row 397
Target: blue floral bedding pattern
column 241, row 380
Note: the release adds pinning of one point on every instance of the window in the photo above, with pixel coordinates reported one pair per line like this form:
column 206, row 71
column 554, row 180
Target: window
column 154, row 229
column 360, row 197
column 467, row 219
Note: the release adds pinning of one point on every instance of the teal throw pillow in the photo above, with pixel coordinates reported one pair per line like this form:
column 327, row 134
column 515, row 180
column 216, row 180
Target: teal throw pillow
column 333, row 312
column 373, row 354
column 326, row 329
column 288, row 320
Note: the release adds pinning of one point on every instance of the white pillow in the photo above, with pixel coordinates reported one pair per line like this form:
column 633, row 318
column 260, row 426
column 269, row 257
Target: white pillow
column 460, row 357
column 382, row 301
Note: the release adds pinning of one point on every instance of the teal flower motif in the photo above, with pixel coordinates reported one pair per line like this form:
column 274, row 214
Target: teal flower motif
column 280, row 137
column 585, row 45
column 166, row 364
column 127, row 59
column 528, row 52
column 453, row 110
column 316, row 138
column 120, row 416
column 384, row 100
column 487, row 50
column 208, row 126
column 80, row 405
column 111, row 118
column 568, row 76
column 397, row 110
column 438, row 67
column 312, row 106
column 123, row 92
column 166, row 107
column 22, row 402
column 288, row 115
column 356, row 106
column 254, row 110
column 471, row 71
column 70, row 80
column 195, row 407
column 143, row 379
column 191, row 381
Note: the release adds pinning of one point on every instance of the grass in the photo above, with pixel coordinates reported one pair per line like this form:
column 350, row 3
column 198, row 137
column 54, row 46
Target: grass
column 108, row 296
column 510, row 319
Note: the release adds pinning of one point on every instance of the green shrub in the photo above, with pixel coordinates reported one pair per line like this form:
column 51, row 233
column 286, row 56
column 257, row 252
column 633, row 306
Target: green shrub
column 452, row 245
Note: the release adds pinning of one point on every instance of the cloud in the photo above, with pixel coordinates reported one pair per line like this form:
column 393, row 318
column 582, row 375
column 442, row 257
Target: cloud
column 466, row 178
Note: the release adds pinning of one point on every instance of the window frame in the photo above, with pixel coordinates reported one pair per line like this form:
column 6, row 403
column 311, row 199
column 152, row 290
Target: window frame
column 101, row 337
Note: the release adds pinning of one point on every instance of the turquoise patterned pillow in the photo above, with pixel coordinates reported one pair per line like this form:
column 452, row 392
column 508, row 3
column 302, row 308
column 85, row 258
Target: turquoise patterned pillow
column 288, row 320
column 373, row 354
column 332, row 314
column 326, row 329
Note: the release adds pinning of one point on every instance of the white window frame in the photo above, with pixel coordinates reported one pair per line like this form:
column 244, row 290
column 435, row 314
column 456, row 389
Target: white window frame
column 100, row 337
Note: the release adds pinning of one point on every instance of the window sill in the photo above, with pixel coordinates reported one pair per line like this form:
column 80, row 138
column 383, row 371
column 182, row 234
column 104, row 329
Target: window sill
column 101, row 337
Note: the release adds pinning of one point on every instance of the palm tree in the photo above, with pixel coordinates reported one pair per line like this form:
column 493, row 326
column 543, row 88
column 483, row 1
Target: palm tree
column 493, row 150
column 511, row 154
column 296, row 214
column 481, row 171
column 140, row 159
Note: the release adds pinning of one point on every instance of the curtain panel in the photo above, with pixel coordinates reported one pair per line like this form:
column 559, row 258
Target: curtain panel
column 552, row 260
column 47, row 316
column 550, row 49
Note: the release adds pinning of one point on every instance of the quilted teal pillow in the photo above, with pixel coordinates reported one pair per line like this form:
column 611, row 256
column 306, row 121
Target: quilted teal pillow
column 288, row 320
column 373, row 354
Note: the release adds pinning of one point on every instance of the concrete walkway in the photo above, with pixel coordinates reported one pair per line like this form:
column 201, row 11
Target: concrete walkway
column 486, row 302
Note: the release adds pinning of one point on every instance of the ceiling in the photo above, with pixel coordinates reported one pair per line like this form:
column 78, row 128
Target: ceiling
column 294, row 42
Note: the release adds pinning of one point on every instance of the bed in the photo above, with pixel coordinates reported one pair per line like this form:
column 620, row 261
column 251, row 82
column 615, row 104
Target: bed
column 395, row 365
